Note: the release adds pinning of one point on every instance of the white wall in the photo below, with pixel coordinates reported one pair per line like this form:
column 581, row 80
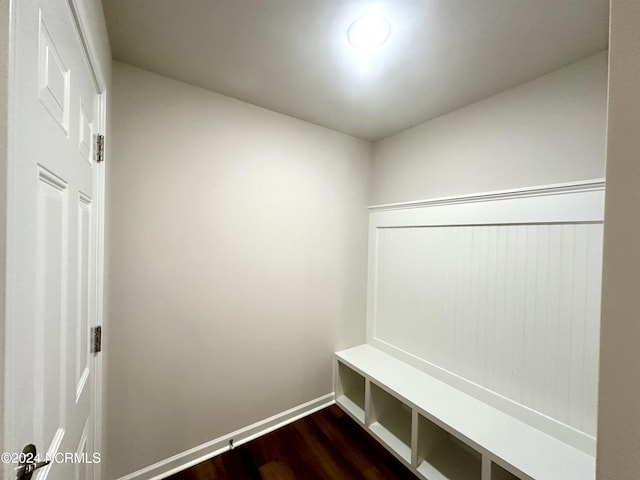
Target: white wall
column 238, row 243
column 549, row 130
column 92, row 17
column 5, row 17
column 619, row 408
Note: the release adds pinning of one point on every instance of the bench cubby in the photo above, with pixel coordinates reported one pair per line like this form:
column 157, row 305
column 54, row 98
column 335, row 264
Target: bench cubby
column 390, row 422
column 441, row 456
column 350, row 391
column 499, row 473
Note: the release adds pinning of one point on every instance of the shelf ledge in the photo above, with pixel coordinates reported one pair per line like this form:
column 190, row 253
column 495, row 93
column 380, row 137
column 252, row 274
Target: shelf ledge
column 351, row 408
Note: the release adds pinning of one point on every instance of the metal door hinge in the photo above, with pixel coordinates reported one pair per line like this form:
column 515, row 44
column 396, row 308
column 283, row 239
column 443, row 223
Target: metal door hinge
column 99, row 148
column 96, row 339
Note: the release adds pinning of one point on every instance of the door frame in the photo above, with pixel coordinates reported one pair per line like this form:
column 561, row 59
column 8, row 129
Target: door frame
column 99, row 229
column 7, row 85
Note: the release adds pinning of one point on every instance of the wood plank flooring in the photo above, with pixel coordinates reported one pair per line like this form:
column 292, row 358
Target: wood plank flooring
column 327, row 445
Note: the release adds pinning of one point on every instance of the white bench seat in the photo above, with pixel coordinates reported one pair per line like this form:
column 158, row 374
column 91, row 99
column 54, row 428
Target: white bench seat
column 422, row 402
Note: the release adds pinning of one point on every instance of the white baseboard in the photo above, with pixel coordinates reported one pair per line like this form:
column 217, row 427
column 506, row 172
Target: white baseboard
column 203, row 452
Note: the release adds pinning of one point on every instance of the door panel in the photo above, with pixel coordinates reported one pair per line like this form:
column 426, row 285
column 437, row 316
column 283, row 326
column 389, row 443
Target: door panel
column 53, row 78
column 83, row 313
column 51, row 315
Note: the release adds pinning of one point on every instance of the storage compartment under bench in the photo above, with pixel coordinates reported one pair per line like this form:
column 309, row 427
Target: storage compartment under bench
column 442, row 433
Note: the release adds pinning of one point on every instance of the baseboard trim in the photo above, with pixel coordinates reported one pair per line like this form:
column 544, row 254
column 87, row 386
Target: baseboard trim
column 203, row 452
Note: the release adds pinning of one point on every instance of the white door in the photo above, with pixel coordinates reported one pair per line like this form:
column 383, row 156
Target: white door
column 52, row 242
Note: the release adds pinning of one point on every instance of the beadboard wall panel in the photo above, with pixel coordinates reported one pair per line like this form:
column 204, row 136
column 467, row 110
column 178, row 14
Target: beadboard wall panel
column 509, row 310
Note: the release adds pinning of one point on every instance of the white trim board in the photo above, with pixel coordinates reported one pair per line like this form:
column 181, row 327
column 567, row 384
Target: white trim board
column 555, row 204
column 579, row 206
column 193, row 456
column 536, row 191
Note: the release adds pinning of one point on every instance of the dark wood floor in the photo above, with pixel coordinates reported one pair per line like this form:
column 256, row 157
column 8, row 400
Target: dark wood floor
column 327, row 445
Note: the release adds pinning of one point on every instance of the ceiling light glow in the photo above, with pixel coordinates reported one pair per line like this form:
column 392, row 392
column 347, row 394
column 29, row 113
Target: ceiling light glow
column 368, row 32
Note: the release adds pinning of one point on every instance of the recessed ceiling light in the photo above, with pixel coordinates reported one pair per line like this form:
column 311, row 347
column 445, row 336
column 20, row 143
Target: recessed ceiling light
column 368, row 32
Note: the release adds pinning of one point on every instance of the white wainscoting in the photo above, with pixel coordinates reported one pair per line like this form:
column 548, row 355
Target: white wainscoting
column 499, row 295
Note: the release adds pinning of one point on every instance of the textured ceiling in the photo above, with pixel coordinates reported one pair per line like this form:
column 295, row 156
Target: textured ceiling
column 292, row 56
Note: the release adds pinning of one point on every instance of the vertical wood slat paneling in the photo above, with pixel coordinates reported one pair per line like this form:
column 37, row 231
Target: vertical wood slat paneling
column 512, row 308
column 592, row 331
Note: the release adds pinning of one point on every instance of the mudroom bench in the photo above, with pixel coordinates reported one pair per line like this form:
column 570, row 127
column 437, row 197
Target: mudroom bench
column 442, row 433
